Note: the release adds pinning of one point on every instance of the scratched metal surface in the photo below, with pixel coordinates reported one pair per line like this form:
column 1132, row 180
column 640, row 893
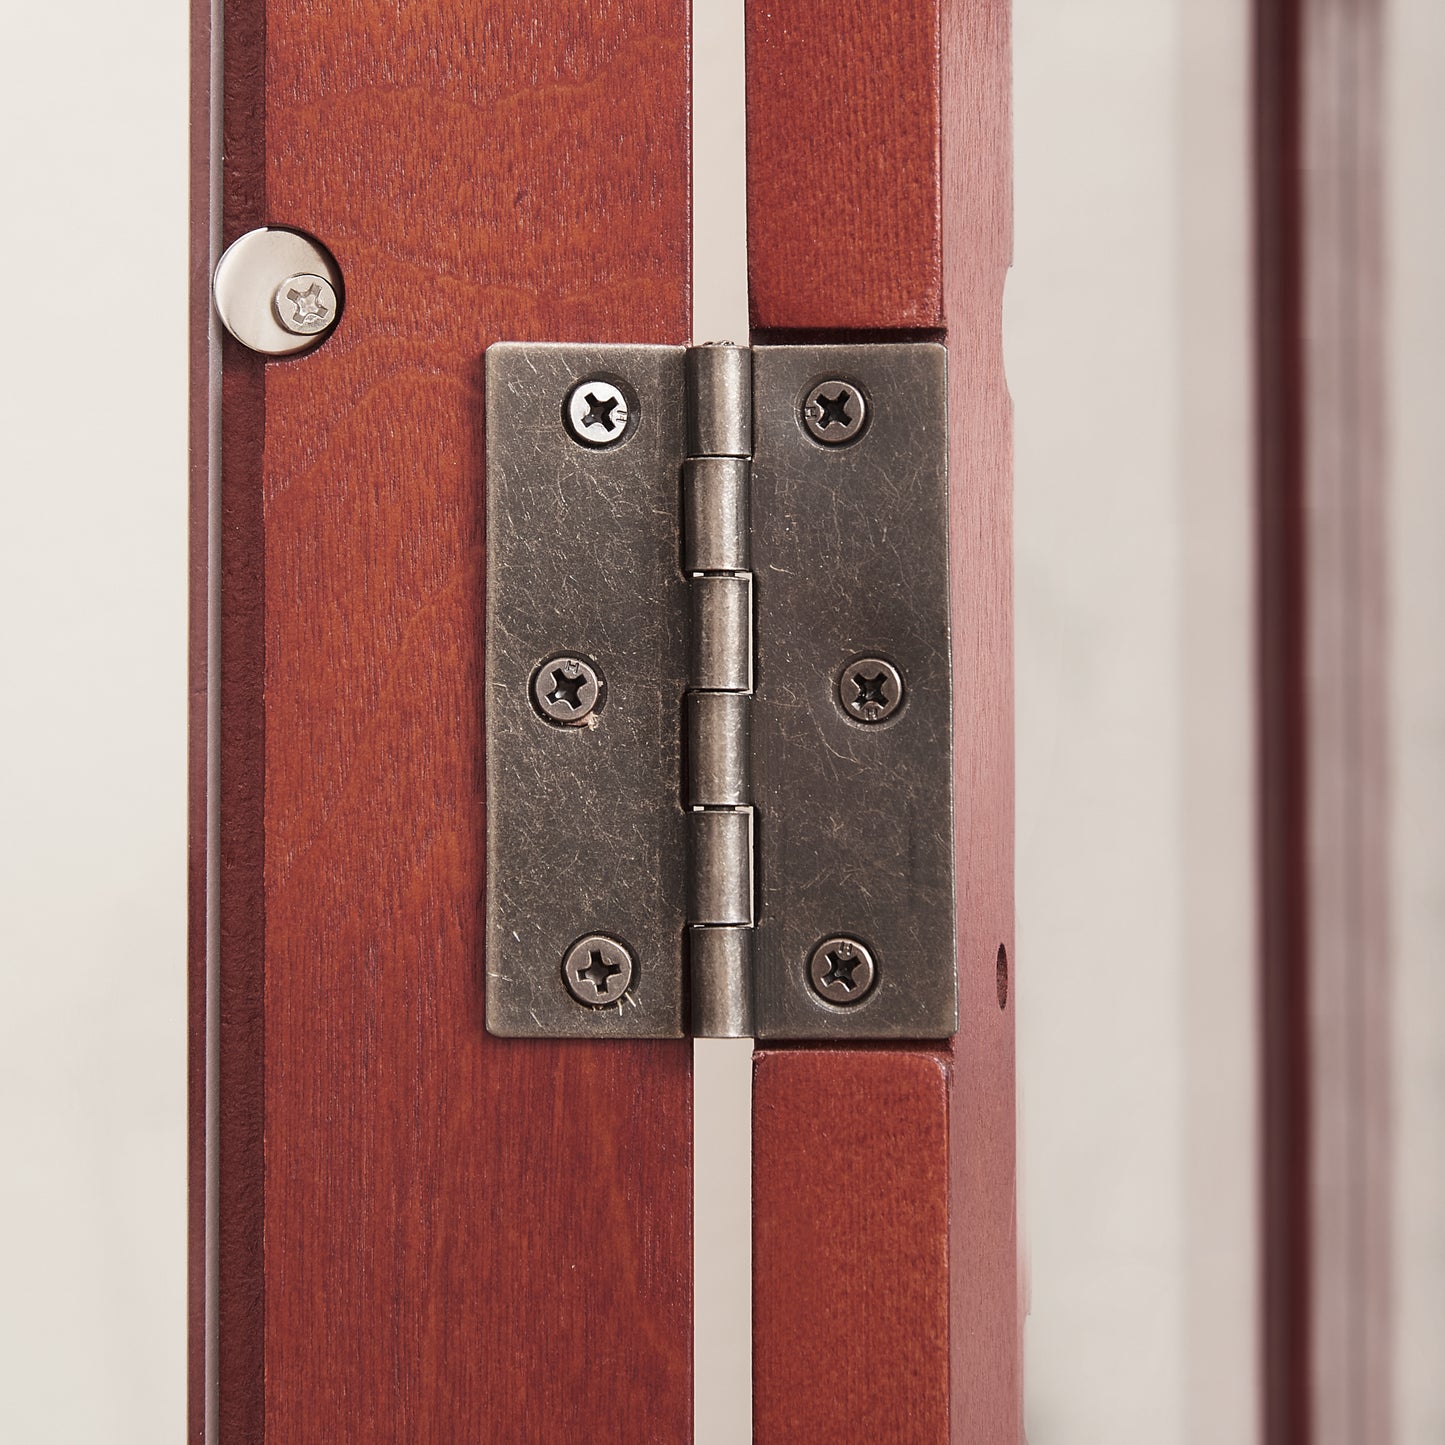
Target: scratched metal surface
column 585, row 830
column 855, row 822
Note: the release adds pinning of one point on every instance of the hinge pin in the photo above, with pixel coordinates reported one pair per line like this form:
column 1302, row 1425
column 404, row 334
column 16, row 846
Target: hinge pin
column 719, row 381
column 716, row 545
column 720, row 970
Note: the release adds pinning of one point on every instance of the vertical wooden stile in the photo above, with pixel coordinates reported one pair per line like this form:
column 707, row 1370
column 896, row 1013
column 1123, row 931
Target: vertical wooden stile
column 884, row 1177
column 408, row 1230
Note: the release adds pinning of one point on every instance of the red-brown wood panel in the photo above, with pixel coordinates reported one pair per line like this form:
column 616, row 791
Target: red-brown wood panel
column 850, row 1245
column 844, row 186
column 925, row 85
column 412, row 1231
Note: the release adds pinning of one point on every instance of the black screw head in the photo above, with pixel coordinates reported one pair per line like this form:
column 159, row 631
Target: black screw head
column 841, row 970
column 597, row 970
column 568, row 691
column 835, row 412
column 870, row 690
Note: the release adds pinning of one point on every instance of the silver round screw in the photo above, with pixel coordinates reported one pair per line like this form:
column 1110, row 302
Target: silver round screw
column 834, row 412
column 870, row 689
column 841, row 970
column 597, row 970
column 568, row 691
column 305, row 304
column 596, row 413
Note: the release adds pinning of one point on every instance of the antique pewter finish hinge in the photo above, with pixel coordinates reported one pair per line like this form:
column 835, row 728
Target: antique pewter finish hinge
column 718, row 692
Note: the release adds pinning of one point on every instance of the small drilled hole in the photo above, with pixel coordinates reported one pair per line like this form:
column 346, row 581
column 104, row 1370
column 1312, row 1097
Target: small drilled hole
column 1000, row 974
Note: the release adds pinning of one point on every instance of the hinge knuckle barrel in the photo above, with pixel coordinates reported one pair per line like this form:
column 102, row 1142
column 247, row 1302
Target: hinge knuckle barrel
column 721, row 871
column 715, row 515
column 719, row 762
column 720, row 965
column 719, row 401
column 722, row 633
column 717, row 558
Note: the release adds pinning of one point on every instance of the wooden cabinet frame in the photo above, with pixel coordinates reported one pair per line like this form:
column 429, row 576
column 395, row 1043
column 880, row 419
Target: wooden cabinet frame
column 403, row 1228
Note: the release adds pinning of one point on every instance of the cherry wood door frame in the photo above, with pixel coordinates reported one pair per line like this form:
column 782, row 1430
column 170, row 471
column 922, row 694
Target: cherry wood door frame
column 401, row 1227
column 1325, row 992
column 879, row 207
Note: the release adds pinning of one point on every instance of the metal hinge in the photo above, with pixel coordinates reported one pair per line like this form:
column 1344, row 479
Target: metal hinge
column 718, row 692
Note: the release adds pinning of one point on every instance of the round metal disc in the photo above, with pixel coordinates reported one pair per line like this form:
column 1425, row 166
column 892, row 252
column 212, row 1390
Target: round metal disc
column 247, row 277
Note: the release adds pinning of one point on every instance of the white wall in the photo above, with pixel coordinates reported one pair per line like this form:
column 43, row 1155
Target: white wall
column 1416, row 340
column 722, row 1068
column 1127, row 339
column 93, row 106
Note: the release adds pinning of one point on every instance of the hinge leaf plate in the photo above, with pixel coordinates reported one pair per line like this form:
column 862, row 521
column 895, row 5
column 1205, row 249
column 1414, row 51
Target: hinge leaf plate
column 585, row 830
column 850, row 559
column 719, row 777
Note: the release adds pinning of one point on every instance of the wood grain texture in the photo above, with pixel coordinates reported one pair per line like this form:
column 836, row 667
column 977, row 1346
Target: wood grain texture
column 844, row 185
column 954, row 273
column 850, row 1245
column 1325, row 987
column 425, row 1234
